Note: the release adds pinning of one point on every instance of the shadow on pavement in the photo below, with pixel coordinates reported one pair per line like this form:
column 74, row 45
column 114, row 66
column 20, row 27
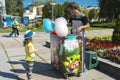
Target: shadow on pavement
column 6, row 36
column 10, row 76
column 46, row 46
column 46, row 70
column 39, row 68
column 7, row 75
column 107, row 73
column 17, row 70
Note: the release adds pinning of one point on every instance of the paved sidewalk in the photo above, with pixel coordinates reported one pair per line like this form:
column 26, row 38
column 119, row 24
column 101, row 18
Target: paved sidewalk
column 43, row 70
column 5, row 67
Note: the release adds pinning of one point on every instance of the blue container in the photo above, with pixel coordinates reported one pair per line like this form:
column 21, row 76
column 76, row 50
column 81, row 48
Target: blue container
column 72, row 37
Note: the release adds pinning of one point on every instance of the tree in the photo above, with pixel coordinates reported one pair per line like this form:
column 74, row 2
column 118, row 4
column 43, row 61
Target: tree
column 1, row 7
column 39, row 2
column 85, row 12
column 67, row 14
column 47, row 10
column 14, row 7
column 19, row 8
column 58, row 10
column 9, row 6
column 110, row 9
column 92, row 14
column 116, row 32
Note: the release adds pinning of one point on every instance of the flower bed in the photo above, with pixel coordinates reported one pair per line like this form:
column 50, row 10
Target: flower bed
column 105, row 49
column 111, row 54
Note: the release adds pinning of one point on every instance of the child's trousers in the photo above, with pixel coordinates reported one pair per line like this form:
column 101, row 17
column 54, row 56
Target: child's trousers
column 29, row 68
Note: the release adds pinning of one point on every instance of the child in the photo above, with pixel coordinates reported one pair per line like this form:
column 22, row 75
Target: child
column 30, row 53
column 15, row 26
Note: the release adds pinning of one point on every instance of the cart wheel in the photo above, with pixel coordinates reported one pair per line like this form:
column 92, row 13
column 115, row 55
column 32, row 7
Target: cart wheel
column 66, row 76
column 77, row 74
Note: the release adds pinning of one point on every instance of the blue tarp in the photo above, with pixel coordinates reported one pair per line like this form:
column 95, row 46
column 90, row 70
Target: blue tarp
column 8, row 21
column 26, row 20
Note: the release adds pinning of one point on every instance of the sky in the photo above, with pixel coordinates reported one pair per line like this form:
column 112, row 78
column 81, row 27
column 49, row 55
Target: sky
column 84, row 3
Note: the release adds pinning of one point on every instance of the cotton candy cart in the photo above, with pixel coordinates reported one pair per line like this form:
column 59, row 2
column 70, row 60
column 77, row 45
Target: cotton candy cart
column 66, row 54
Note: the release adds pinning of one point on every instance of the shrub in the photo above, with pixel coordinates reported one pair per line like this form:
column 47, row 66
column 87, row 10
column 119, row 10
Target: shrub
column 103, row 24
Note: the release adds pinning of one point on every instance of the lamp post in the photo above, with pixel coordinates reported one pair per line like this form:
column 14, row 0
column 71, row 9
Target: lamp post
column 52, row 3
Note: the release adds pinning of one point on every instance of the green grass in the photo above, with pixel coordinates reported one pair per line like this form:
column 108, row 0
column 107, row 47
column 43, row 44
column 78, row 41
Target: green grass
column 97, row 28
column 93, row 28
column 6, row 30
column 103, row 24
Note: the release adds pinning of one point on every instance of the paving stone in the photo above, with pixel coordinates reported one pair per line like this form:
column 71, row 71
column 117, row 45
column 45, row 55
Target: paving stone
column 43, row 70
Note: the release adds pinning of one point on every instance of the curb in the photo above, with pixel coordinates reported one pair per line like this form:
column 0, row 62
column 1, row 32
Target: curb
column 109, row 67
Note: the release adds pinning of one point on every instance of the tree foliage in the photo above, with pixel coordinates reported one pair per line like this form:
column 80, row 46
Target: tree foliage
column 39, row 2
column 85, row 12
column 67, row 14
column 14, row 7
column 58, row 10
column 92, row 14
column 19, row 7
column 9, row 6
column 110, row 9
column 47, row 10
column 1, row 6
column 116, row 32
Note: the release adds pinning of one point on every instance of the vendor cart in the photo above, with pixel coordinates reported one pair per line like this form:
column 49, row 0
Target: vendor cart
column 66, row 54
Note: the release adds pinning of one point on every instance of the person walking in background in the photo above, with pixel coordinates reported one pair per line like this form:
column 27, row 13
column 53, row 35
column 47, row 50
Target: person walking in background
column 30, row 53
column 15, row 26
column 4, row 24
column 79, row 22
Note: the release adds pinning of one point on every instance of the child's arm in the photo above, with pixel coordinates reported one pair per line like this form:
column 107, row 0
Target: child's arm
column 32, row 50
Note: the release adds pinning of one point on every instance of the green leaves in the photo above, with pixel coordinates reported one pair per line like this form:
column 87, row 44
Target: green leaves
column 109, row 9
column 47, row 10
column 14, row 7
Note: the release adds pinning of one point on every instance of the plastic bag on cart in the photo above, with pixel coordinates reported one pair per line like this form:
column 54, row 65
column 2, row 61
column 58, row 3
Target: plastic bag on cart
column 71, row 54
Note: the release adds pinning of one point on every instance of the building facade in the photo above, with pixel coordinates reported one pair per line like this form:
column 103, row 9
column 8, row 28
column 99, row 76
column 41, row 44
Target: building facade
column 2, row 11
column 33, row 11
column 2, row 7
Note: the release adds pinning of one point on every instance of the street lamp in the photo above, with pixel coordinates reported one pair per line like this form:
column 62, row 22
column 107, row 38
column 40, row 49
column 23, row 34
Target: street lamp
column 52, row 3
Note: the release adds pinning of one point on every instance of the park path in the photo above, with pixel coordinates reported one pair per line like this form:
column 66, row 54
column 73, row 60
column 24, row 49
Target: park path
column 12, row 56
